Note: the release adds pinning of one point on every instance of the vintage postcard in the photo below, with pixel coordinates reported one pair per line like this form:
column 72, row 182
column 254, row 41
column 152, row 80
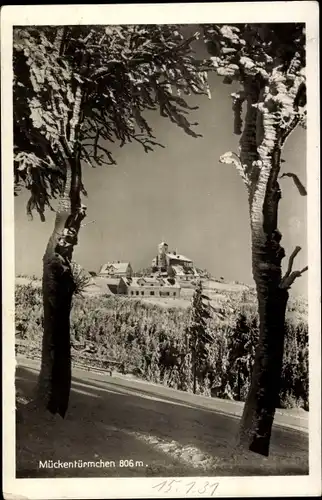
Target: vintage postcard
column 161, row 250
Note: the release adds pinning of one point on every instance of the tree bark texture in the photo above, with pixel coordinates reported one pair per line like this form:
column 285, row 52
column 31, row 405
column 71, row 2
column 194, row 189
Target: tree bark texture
column 262, row 399
column 260, row 155
column 58, row 286
column 55, row 376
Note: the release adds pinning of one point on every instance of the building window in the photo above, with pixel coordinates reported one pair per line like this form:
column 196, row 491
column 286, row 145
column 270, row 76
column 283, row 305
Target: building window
column 137, row 293
column 151, row 293
column 174, row 294
column 132, row 293
column 142, row 293
column 167, row 293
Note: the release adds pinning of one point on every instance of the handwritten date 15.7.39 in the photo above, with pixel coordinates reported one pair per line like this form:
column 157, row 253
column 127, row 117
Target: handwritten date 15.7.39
column 187, row 487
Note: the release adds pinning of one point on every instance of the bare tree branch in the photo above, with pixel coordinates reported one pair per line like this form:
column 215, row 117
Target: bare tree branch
column 287, row 282
column 291, row 261
column 297, row 182
column 289, row 277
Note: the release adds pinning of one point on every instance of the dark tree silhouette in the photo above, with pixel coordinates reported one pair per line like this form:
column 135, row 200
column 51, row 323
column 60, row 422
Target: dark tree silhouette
column 198, row 336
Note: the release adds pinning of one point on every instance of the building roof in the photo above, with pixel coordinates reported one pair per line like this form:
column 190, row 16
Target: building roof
column 179, row 271
column 177, row 256
column 114, row 267
column 143, row 281
column 150, row 279
column 112, row 281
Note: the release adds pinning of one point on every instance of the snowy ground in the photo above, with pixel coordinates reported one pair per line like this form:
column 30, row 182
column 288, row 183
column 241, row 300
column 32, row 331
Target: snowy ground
column 165, row 432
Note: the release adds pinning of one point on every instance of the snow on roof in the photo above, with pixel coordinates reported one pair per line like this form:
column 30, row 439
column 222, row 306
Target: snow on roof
column 112, row 267
column 178, row 270
column 178, row 257
column 143, row 281
column 149, row 279
column 112, row 281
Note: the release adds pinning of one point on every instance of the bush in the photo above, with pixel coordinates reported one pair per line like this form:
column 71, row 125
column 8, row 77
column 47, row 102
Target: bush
column 294, row 383
column 153, row 343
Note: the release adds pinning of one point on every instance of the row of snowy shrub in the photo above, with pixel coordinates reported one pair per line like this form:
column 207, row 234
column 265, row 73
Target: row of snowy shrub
column 151, row 342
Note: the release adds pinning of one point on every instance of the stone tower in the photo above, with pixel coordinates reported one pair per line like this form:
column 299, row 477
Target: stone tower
column 162, row 258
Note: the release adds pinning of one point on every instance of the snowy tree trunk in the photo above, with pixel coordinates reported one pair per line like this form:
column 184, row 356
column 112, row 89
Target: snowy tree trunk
column 262, row 399
column 267, row 254
column 260, row 154
column 54, row 381
column 272, row 75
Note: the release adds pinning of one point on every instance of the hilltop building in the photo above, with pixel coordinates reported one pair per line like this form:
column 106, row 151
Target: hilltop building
column 152, row 287
column 171, row 271
column 116, row 270
column 116, row 286
column 144, row 287
column 175, row 265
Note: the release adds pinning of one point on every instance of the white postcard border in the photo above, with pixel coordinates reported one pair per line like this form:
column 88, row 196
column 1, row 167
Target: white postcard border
column 301, row 11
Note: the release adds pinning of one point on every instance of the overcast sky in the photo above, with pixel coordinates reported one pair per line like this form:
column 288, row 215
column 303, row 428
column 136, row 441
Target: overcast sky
column 180, row 194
